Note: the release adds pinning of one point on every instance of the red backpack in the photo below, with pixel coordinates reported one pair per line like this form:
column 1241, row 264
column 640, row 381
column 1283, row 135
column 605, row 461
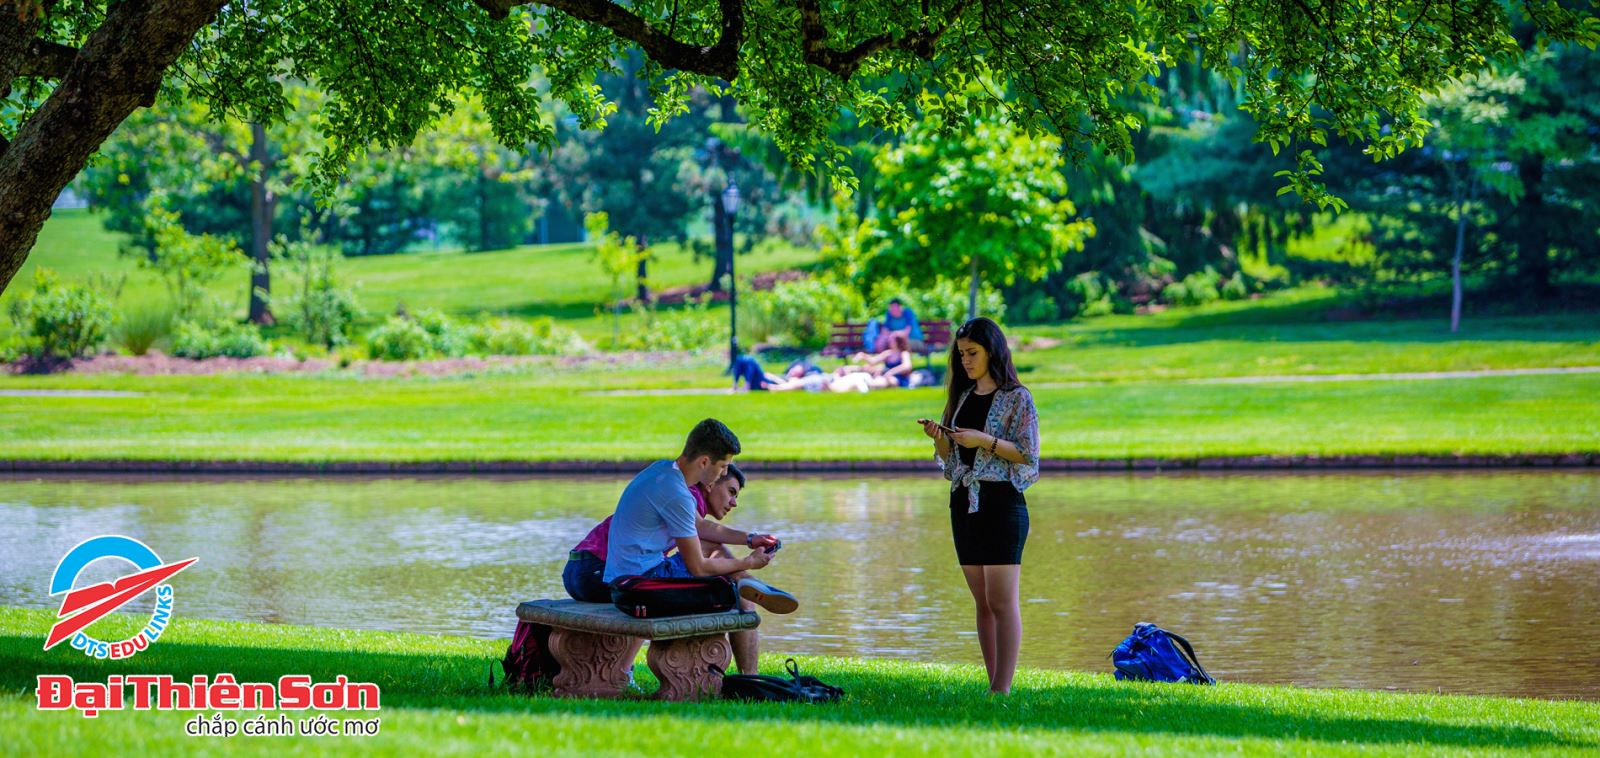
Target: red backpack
column 651, row 597
column 528, row 663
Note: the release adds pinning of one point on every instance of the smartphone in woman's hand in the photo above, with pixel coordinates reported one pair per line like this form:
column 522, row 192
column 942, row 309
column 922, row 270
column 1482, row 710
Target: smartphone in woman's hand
column 942, row 427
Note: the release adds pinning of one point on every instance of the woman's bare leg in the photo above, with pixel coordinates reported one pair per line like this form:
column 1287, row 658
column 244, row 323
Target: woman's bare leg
column 986, row 626
column 1001, row 586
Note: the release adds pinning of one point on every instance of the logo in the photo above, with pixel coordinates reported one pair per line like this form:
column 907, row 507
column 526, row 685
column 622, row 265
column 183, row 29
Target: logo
column 84, row 606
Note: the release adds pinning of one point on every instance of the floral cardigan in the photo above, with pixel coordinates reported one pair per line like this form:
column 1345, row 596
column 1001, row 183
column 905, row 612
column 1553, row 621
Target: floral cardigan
column 1012, row 418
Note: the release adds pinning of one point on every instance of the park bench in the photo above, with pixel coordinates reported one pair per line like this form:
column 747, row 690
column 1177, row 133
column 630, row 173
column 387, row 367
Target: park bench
column 591, row 642
column 845, row 339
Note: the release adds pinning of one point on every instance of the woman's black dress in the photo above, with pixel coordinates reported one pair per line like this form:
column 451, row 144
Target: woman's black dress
column 994, row 536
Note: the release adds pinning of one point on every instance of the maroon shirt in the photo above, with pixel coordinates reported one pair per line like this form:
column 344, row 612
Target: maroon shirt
column 595, row 542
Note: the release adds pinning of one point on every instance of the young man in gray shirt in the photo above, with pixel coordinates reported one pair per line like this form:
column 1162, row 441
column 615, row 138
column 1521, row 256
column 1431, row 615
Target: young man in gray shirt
column 657, row 513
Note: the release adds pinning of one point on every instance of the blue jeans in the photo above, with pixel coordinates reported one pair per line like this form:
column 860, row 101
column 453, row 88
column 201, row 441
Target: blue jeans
column 749, row 369
column 671, row 568
column 583, row 578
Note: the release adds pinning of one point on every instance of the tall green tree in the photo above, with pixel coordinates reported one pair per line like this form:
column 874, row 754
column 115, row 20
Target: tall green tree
column 1471, row 119
column 1310, row 72
column 631, row 170
column 1554, row 219
column 482, row 190
column 987, row 200
column 221, row 176
column 1510, row 187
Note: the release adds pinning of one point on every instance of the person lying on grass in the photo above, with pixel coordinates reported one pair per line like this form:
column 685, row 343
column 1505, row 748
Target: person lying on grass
column 801, row 374
column 658, row 511
column 890, row 368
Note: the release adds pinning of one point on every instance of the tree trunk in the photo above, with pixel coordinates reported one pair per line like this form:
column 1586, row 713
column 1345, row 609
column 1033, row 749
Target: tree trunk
column 119, row 68
column 972, row 292
column 1455, row 262
column 1533, row 239
column 260, row 231
column 17, row 31
column 483, row 202
column 643, row 293
column 722, row 243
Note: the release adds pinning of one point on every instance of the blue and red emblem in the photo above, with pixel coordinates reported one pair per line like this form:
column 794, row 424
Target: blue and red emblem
column 83, row 606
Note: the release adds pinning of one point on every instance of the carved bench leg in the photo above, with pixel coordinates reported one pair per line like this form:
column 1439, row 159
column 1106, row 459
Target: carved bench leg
column 592, row 665
column 681, row 665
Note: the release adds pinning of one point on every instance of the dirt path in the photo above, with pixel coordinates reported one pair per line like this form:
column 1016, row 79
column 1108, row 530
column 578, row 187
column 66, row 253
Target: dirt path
column 69, row 393
column 1314, row 378
column 1267, row 379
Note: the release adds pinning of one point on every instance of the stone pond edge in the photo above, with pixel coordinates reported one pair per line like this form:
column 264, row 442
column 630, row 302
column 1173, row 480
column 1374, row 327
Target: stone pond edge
column 1215, row 463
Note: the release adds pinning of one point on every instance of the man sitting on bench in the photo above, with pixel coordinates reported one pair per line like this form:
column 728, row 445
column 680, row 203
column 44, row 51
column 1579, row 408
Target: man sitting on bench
column 587, row 564
column 657, row 512
column 898, row 320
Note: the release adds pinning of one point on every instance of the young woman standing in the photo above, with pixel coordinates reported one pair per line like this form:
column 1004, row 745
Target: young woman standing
column 990, row 458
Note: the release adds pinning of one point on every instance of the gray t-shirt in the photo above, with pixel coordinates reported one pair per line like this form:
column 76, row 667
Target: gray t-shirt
column 655, row 509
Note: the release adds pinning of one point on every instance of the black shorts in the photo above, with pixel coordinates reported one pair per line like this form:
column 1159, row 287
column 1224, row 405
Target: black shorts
column 993, row 536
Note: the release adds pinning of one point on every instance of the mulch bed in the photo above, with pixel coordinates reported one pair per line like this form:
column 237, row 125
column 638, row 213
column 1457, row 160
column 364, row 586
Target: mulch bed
column 157, row 364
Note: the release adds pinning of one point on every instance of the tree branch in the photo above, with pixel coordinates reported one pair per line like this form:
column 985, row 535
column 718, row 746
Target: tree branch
column 219, row 146
column 119, row 68
column 47, row 59
column 843, row 63
column 720, row 60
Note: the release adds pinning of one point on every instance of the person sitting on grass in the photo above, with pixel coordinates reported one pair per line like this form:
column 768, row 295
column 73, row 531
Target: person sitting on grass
column 890, row 368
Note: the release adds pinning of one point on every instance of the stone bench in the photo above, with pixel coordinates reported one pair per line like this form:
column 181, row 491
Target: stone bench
column 591, row 641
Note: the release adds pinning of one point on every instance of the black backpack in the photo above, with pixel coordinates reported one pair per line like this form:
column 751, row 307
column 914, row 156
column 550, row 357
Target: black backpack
column 773, row 689
column 651, row 597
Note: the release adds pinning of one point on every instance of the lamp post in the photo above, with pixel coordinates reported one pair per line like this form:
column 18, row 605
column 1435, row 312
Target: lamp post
column 730, row 206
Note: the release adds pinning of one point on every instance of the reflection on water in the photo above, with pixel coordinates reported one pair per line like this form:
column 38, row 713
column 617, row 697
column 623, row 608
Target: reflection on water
column 1467, row 582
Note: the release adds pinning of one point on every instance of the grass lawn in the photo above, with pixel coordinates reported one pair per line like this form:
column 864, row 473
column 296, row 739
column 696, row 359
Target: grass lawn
column 1111, row 387
column 562, row 281
column 536, row 416
column 436, row 700
column 1290, row 333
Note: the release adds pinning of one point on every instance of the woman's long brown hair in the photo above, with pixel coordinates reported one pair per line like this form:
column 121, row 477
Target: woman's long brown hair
column 987, row 335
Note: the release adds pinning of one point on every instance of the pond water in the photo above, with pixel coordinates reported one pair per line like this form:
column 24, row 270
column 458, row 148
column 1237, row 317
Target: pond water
column 1460, row 582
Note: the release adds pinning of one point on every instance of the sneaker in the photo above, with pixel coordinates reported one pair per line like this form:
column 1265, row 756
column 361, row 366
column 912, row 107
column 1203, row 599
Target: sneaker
column 767, row 596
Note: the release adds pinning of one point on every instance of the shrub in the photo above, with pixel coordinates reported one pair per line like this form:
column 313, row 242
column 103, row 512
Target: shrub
column 431, row 334
column 10, row 348
column 1035, row 306
column 315, row 305
column 692, row 327
column 58, row 320
column 142, row 327
column 946, row 300
column 503, row 336
column 445, row 337
column 1091, row 293
column 186, row 262
column 799, row 312
column 1197, row 288
column 192, row 339
column 399, row 339
column 1235, row 288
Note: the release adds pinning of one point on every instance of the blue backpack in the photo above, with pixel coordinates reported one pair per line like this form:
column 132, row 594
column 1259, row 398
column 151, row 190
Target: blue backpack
column 1149, row 655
